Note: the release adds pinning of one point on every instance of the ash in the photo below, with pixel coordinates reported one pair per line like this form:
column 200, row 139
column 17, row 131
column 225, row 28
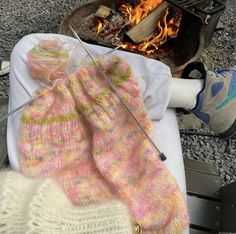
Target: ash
column 21, row 17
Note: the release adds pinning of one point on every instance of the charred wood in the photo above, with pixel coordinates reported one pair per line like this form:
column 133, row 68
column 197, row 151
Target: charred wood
column 147, row 27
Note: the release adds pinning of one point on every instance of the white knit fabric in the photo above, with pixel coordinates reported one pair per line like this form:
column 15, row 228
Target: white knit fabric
column 29, row 206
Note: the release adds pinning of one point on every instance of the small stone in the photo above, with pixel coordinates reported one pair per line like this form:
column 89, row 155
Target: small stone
column 221, row 150
column 218, row 161
column 198, row 153
column 221, row 170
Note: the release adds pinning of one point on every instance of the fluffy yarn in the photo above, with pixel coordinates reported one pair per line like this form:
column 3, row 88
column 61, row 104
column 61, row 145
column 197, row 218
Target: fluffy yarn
column 41, row 207
column 48, row 60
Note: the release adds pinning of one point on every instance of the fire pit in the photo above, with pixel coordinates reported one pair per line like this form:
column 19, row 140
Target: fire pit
column 174, row 32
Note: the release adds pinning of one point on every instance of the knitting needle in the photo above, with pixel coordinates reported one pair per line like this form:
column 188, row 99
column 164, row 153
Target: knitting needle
column 17, row 109
column 4, row 117
column 111, row 51
column 161, row 155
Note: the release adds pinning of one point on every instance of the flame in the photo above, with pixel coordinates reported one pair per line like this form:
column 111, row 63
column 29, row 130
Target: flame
column 173, row 25
column 164, row 31
column 126, row 11
column 99, row 27
column 159, row 39
column 140, row 11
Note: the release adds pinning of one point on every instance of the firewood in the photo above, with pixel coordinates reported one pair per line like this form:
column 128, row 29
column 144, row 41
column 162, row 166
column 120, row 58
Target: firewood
column 147, row 27
column 103, row 12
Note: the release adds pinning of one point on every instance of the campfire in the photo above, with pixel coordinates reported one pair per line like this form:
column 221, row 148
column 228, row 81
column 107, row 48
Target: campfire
column 143, row 28
column 137, row 26
column 173, row 31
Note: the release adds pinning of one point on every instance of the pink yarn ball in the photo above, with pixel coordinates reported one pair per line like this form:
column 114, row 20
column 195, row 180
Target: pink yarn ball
column 48, row 61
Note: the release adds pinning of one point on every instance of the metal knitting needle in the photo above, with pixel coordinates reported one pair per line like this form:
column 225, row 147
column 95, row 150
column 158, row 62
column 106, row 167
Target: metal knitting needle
column 4, row 117
column 111, row 51
column 162, row 156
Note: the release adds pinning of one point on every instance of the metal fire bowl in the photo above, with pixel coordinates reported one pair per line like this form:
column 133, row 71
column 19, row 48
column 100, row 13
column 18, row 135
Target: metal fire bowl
column 84, row 10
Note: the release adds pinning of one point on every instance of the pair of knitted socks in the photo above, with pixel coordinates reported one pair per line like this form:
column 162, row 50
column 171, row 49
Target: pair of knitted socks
column 80, row 133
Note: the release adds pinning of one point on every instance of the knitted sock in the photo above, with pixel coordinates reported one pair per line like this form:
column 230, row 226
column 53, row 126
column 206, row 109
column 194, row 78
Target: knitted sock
column 123, row 154
column 56, row 141
column 40, row 206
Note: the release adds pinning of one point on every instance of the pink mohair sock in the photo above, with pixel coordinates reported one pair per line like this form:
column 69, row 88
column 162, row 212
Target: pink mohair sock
column 123, row 155
column 80, row 133
column 55, row 140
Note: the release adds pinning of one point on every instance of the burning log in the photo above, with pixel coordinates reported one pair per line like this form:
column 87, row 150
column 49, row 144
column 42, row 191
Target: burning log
column 147, row 27
column 108, row 22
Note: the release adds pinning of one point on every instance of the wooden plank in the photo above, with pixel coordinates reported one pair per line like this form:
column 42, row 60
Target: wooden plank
column 200, row 166
column 204, row 213
column 147, row 27
column 195, row 231
column 229, row 208
column 202, row 184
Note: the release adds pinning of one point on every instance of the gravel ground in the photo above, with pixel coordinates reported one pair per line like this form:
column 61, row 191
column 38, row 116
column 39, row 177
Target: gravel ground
column 21, row 17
